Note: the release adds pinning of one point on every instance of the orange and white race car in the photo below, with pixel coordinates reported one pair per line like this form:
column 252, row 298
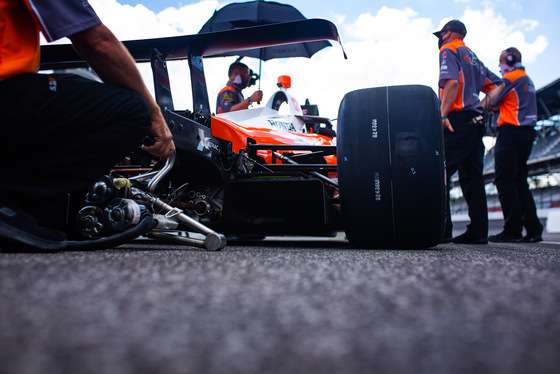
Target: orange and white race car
column 255, row 173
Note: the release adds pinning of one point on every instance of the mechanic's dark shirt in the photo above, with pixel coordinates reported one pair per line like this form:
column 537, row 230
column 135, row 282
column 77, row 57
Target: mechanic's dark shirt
column 458, row 62
column 228, row 97
column 518, row 100
column 23, row 19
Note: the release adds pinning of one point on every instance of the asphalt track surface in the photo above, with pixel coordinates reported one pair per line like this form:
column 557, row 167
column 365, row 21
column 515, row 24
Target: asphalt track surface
column 282, row 307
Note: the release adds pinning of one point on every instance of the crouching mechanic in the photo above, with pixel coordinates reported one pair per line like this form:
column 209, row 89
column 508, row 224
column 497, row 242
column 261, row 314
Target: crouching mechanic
column 230, row 98
column 62, row 132
column 517, row 104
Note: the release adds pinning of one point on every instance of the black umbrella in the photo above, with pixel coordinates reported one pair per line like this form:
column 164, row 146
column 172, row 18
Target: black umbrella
column 255, row 13
column 251, row 13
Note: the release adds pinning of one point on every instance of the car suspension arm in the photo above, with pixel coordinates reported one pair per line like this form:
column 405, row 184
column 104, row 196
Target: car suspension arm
column 318, row 175
column 212, row 241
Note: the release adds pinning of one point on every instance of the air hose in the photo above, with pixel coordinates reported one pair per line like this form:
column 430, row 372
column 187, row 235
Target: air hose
column 146, row 224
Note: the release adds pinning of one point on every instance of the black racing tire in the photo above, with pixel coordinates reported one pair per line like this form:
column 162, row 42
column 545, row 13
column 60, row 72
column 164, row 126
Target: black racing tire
column 391, row 167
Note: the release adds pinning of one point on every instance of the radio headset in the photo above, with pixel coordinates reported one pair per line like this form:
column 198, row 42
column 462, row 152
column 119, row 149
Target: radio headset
column 511, row 58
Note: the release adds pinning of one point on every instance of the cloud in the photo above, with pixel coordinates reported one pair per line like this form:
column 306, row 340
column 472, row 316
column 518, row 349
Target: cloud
column 528, row 24
column 488, row 33
column 190, row 18
column 390, row 47
column 376, row 57
column 138, row 22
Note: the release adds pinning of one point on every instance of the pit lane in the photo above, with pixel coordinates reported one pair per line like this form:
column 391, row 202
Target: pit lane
column 282, row 307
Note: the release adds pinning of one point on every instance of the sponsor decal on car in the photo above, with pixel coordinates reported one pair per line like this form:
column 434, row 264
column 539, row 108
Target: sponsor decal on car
column 282, row 125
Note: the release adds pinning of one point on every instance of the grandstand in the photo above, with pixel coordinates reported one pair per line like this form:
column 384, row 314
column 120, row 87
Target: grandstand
column 544, row 162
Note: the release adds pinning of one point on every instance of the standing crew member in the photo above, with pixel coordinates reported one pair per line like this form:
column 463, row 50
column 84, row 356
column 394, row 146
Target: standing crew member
column 230, row 97
column 517, row 117
column 462, row 77
column 63, row 131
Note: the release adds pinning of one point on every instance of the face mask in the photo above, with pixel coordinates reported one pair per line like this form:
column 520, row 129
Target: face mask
column 440, row 40
column 240, row 82
column 505, row 68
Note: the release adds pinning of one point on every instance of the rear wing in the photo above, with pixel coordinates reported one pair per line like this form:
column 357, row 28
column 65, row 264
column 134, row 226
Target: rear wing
column 193, row 47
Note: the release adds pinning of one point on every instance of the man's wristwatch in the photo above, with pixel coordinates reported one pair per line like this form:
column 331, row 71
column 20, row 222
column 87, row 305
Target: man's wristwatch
column 249, row 100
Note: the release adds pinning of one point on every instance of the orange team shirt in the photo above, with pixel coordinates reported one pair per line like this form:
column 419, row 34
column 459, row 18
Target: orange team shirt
column 458, row 62
column 21, row 21
column 518, row 100
column 19, row 40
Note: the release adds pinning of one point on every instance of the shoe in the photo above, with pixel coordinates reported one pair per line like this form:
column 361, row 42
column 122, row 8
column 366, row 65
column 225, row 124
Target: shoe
column 532, row 238
column 505, row 237
column 468, row 238
column 19, row 231
column 447, row 236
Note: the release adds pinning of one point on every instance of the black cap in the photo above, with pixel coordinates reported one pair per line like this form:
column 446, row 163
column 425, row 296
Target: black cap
column 454, row 26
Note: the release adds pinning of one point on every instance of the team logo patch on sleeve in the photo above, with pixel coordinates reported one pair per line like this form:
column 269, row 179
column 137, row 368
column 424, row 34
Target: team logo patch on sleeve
column 228, row 99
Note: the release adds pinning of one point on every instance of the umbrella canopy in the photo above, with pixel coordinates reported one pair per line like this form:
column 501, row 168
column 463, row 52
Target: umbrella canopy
column 255, row 13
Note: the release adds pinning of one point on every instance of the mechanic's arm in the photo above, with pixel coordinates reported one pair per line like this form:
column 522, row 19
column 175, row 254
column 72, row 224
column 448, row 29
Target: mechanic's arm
column 449, row 94
column 255, row 97
column 490, row 97
column 110, row 59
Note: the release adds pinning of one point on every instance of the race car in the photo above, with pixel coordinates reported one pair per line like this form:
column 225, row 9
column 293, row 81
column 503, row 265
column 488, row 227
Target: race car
column 380, row 177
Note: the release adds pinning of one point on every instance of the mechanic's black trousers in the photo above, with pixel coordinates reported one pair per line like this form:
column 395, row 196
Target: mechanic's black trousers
column 61, row 132
column 464, row 152
column 513, row 148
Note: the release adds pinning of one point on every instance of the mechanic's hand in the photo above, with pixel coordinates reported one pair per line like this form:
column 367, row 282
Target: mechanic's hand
column 163, row 146
column 447, row 125
column 257, row 96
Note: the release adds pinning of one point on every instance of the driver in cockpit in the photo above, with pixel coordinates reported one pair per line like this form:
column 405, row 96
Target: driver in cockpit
column 230, row 97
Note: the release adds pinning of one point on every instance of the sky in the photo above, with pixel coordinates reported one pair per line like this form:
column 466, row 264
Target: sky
column 387, row 42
